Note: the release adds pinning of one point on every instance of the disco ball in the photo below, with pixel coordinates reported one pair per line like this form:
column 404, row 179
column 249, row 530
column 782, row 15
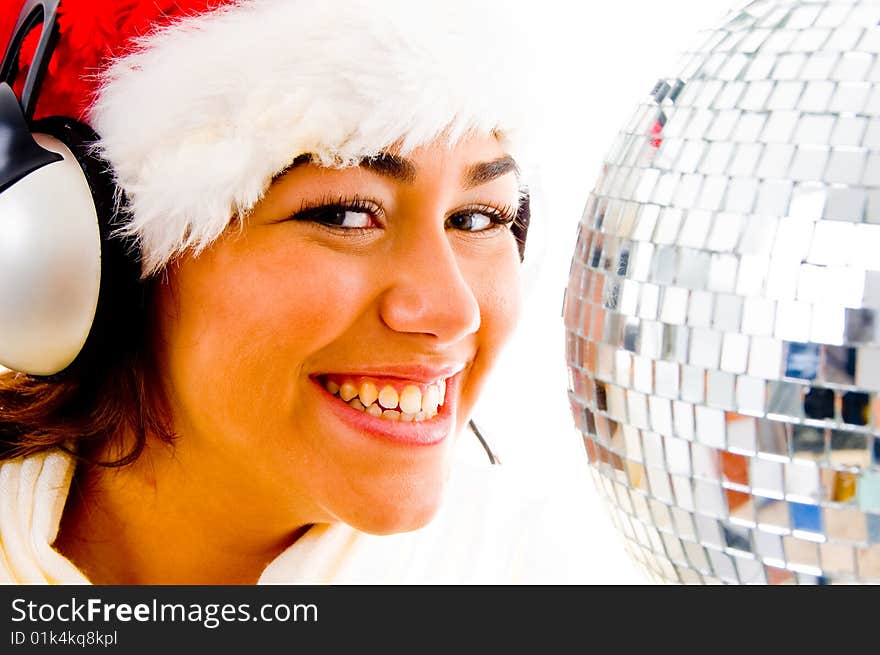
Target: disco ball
column 723, row 307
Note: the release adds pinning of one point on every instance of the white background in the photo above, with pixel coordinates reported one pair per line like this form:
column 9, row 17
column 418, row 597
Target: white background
column 597, row 61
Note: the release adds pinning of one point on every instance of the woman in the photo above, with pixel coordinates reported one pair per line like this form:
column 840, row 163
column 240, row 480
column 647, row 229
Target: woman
column 325, row 204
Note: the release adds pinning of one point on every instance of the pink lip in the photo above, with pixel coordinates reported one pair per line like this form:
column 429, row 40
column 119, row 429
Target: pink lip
column 414, row 372
column 421, row 433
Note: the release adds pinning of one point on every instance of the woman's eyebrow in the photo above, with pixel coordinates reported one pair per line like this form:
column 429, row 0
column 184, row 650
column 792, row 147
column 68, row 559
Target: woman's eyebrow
column 384, row 163
column 487, row 171
column 403, row 170
column 392, row 166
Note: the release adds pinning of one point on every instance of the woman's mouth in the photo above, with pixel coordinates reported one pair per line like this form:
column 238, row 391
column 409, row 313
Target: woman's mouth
column 417, row 412
column 393, row 400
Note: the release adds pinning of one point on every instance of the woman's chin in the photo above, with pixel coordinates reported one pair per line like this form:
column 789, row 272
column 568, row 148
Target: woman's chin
column 394, row 520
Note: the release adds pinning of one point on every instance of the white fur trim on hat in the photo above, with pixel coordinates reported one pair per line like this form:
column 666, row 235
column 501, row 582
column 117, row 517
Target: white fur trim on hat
column 200, row 117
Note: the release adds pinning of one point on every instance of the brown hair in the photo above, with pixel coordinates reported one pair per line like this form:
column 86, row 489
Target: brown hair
column 80, row 412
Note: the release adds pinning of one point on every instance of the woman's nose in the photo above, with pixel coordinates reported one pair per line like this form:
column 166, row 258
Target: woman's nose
column 429, row 294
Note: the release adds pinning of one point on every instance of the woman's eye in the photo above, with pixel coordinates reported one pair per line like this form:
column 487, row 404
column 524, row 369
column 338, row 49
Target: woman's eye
column 470, row 222
column 341, row 213
column 341, row 217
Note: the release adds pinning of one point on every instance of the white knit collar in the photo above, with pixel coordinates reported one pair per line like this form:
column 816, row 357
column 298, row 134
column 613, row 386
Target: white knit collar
column 469, row 540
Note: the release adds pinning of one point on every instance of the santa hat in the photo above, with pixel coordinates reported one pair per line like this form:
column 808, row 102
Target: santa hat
column 200, row 103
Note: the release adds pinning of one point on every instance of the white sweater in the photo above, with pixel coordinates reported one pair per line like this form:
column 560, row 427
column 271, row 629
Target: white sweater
column 483, row 533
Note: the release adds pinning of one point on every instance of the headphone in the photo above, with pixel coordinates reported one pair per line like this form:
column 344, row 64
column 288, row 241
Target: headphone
column 50, row 238
column 68, row 286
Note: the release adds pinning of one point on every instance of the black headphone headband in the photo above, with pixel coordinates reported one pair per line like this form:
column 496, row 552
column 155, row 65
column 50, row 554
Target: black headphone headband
column 32, row 14
column 20, row 154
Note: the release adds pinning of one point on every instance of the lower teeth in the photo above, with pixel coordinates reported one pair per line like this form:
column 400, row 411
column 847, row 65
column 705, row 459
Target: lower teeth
column 389, row 414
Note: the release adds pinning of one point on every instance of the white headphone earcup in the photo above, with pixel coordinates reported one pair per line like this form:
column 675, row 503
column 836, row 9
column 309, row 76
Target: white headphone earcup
column 50, row 265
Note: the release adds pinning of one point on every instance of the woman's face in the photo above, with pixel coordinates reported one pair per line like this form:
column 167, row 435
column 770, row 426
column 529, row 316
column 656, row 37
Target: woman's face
column 320, row 360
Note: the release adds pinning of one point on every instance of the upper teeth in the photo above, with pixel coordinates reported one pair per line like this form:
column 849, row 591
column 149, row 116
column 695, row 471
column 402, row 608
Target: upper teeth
column 411, row 403
column 411, row 399
column 347, row 391
column 368, row 393
column 388, row 397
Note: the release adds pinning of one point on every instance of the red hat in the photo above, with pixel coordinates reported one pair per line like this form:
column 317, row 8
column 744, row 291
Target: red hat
column 92, row 33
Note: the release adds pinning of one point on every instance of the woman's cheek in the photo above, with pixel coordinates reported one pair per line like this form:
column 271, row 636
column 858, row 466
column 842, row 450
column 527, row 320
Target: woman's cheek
column 498, row 289
column 237, row 325
column 497, row 284
column 283, row 293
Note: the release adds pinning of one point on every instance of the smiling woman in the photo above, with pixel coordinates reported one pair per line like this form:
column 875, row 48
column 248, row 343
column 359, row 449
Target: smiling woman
column 313, row 269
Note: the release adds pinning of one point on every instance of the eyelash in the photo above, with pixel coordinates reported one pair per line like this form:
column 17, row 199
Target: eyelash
column 499, row 217
column 310, row 210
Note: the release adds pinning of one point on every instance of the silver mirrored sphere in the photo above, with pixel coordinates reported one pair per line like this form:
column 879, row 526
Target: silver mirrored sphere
column 723, row 307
